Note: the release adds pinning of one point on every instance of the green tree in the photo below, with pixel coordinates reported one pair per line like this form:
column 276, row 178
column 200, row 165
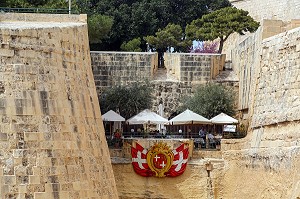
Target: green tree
column 99, row 27
column 134, row 19
column 59, row 4
column 170, row 36
column 210, row 100
column 220, row 24
column 129, row 100
column 132, row 45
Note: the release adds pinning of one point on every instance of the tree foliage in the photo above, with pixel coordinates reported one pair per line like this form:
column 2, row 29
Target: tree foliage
column 132, row 45
column 220, row 24
column 170, row 36
column 99, row 27
column 134, row 19
column 210, row 100
column 128, row 100
column 58, row 4
column 131, row 18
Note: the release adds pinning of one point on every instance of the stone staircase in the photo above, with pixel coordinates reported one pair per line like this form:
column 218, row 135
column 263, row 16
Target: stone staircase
column 227, row 75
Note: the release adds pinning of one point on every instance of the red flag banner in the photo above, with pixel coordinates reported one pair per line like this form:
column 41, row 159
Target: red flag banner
column 160, row 160
column 180, row 160
column 139, row 161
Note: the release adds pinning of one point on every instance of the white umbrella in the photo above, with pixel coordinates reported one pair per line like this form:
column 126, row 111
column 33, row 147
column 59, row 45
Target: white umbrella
column 189, row 117
column 222, row 118
column 112, row 116
column 147, row 116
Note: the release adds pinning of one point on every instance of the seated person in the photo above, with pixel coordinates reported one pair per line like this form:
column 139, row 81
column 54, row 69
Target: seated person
column 117, row 138
column 199, row 143
column 117, row 134
column 202, row 133
column 211, row 139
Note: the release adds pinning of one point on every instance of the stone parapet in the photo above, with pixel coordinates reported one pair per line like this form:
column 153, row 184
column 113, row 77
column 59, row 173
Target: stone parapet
column 194, row 68
column 43, row 17
column 122, row 68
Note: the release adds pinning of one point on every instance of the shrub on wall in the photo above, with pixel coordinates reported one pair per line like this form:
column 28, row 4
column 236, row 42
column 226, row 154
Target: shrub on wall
column 127, row 100
column 210, row 100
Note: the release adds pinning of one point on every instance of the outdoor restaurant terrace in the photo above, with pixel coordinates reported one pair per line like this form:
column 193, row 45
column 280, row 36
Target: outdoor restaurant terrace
column 148, row 127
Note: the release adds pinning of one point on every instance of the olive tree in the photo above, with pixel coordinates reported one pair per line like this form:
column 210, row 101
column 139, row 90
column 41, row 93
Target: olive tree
column 128, row 100
column 210, row 100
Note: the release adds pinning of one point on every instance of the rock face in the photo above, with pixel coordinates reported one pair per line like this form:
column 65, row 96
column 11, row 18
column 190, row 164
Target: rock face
column 52, row 142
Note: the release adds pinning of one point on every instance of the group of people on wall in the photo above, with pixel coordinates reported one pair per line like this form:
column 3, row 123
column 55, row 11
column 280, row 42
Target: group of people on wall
column 204, row 138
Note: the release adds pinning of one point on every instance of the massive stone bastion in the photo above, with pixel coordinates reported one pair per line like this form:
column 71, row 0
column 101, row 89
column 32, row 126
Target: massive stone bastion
column 52, row 143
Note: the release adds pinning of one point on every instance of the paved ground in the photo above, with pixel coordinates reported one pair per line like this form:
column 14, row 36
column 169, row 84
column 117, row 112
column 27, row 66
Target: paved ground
column 162, row 75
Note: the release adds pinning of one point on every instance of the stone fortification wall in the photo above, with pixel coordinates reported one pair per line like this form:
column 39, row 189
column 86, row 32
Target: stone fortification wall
column 42, row 17
column 245, row 58
column 122, row 68
column 170, row 94
column 194, row 183
column 274, row 27
column 277, row 91
column 183, row 72
column 270, row 9
column 194, row 68
column 269, row 154
column 52, row 142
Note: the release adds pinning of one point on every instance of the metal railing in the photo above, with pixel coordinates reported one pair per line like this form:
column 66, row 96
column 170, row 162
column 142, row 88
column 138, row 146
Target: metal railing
column 36, row 10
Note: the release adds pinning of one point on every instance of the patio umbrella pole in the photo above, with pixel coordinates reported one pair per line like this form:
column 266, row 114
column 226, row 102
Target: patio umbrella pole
column 110, row 129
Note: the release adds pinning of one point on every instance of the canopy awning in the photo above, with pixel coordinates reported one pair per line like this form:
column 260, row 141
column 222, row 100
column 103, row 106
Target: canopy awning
column 222, row 118
column 147, row 116
column 112, row 116
column 189, row 117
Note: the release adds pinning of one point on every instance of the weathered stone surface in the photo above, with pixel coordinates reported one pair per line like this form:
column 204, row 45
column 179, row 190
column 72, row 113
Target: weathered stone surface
column 270, row 9
column 193, row 183
column 277, row 94
column 122, row 68
column 52, row 142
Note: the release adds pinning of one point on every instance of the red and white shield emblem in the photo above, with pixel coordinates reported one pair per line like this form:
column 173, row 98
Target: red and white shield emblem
column 159, row 161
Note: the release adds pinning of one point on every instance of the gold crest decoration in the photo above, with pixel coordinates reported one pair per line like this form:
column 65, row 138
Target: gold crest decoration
column 160, row 159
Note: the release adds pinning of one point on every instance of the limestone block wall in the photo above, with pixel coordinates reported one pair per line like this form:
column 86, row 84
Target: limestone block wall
column 194, row 68
column 274, row 27
column 52, row 142
column 277, row 88
column 194, row 183
column 268, row 156
column 122, row 68
column 270, row 9
column 270, row 152
column 30, row 17
column 245, row 59
column 170, row 93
